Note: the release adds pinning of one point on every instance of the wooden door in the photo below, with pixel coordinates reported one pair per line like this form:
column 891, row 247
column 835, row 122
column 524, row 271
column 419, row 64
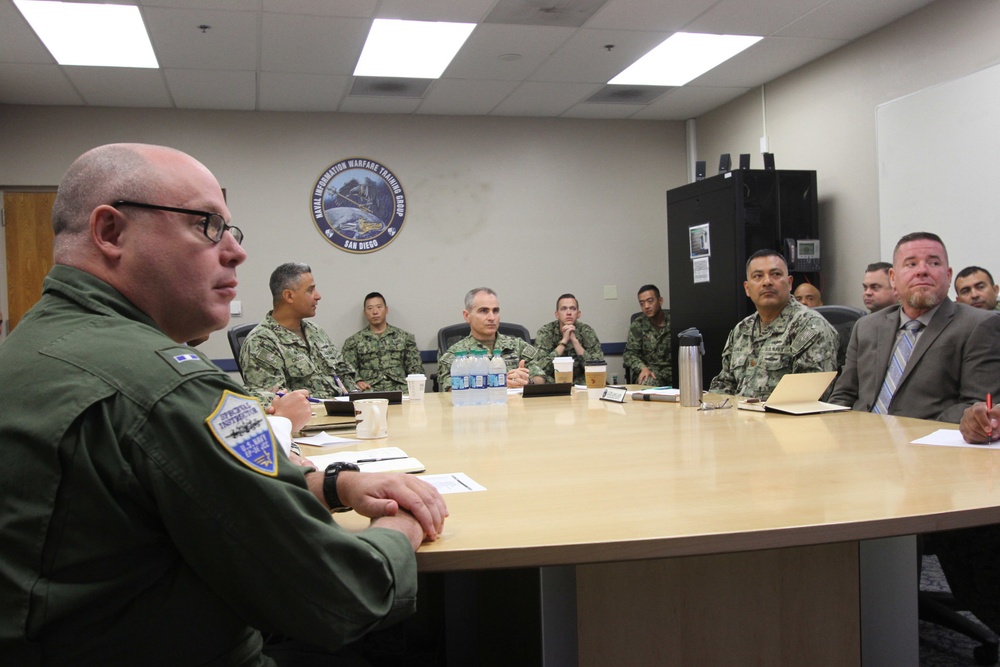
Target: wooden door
column 28, row 237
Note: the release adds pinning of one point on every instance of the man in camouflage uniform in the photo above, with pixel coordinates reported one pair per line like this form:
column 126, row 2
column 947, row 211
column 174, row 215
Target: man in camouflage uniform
column 568, row 337
column 382, row 354
column 482, row 312
column 647, row 349
column 285, row 352
column 783, row 336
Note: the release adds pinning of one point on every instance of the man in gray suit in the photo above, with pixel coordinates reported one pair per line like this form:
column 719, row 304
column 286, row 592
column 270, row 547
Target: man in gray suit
column 954, row 362
column 955, row 357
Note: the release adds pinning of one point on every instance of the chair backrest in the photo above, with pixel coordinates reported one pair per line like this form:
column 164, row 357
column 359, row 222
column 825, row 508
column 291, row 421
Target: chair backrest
column 237, row 335
column 451, row 334
column 842, row 318
column 635, row 316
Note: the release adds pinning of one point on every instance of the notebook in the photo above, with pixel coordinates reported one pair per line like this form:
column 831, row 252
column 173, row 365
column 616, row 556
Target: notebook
column 796, row 394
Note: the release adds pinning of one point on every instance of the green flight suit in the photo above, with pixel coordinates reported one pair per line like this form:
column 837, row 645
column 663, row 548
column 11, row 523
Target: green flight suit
column 141, row 524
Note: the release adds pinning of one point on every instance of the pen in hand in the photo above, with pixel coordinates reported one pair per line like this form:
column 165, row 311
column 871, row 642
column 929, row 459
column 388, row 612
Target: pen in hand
column 308, row 398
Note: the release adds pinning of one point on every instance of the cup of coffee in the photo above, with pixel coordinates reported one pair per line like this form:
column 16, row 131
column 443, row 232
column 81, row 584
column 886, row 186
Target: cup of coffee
column 564, row 369
column 415, row 383
column 371, row 416
column 597, row 377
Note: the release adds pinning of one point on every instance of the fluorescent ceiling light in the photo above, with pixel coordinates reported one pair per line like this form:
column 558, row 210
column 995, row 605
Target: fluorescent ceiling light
column 682, row 57
column 411, row 49
column 90, row 34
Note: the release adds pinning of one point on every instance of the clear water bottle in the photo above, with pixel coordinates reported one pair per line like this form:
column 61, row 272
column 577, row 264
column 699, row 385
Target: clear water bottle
column 479, row 371
column 460, row 379
column 497, row 379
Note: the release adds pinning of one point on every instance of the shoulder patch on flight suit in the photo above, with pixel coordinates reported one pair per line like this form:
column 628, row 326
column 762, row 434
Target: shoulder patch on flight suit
column 239, row 423
column 185, row 360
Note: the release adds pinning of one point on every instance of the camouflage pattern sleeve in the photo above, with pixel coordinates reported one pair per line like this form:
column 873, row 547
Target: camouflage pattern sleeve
column 546, row 339
column 262, row 365
column 633, row 347
column 815, row 348
column 411, row 356
column 444, row 369
column 350, row 352
column 591, row 343
column 725, row 381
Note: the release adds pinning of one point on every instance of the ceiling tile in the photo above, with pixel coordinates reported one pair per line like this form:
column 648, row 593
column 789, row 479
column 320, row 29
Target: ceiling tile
column 120, row 86
column 688, row 102
column 311, row 44
column 585, row 56
column 850, row 19
column 36, row 84
column 230, row 41
column 465, row 97
column 480, row 56
column 212, row 89
column 544, row 99
column 751, row 17
column 767, row 60
column 301, row 92
column 651, row 15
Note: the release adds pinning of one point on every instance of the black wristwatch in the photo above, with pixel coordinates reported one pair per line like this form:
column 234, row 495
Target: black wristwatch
column 330, row 484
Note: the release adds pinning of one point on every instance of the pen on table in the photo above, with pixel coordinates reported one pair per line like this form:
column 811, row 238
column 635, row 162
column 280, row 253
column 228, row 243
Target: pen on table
column 387, row 458
column 461, row 482
column 308, row 398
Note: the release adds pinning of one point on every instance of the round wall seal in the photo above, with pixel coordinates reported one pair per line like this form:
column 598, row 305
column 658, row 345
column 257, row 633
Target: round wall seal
column 358, row 205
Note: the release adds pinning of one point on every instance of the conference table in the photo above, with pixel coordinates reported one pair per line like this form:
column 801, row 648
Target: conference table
column 667, row 535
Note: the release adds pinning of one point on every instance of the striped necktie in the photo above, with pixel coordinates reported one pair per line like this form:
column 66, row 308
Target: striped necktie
column 904, row 347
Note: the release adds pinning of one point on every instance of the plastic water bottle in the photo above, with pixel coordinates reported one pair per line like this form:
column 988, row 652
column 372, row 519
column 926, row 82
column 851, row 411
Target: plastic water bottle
column 460, row 380
column 479, row 371
column 497, row 379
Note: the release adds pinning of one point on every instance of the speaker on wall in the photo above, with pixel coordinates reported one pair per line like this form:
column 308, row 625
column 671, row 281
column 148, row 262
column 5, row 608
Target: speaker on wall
column 769, row 161
column 725, row 163
column 744, row 160
column 699, row 170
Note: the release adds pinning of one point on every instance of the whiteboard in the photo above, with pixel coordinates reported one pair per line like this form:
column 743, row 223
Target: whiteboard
column 939, row 168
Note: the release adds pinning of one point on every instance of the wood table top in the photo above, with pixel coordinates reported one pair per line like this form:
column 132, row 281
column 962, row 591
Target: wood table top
column 571, row 480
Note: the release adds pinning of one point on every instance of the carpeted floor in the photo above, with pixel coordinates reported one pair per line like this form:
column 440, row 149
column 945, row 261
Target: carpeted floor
column 940, row 647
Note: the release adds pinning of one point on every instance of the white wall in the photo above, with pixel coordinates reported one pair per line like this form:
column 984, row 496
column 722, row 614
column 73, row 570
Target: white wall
column 530, row 207
column 822, row 117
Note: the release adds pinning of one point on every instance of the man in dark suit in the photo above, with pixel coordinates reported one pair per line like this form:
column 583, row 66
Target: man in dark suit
column 955, row 357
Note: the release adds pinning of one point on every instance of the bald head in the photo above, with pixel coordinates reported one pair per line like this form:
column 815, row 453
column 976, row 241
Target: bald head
column 808, row 295
column 104, row 175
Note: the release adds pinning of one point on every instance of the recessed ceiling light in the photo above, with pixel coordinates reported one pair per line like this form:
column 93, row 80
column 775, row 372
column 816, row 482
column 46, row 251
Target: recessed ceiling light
column 411, row 49
column 682, row 57
column 90, row 34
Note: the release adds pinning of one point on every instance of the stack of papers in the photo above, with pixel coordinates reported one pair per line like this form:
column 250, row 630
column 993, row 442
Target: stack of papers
column 384, row 459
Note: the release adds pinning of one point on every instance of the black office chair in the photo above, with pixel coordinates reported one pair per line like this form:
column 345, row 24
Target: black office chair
column 842, row 318
column 237, row 335
column 943, row 609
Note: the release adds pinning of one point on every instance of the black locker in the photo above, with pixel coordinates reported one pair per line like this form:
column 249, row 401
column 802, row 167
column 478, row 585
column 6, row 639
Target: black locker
column 745, row 210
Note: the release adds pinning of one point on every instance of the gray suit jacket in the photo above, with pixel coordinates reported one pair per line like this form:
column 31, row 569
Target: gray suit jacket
column 956, row 362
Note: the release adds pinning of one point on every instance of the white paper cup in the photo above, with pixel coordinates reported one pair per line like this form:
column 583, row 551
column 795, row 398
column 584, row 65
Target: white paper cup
column 597, row 378
column 415, row 385
column 564, row 369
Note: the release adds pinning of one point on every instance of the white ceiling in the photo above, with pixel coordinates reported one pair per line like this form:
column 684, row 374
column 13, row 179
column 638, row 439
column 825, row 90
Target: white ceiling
column 298, row 55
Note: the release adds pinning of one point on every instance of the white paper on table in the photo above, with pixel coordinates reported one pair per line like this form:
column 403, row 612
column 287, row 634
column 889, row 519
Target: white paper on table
column 383, row 459
column 950, row 437
column 455, row 482
column 514, row 391
column 324, row 439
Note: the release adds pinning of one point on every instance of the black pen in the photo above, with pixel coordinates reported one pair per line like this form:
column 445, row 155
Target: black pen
column 461, row 482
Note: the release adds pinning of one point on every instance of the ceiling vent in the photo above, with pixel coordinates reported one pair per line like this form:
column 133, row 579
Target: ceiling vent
column 377, row 86
column 627, row 94
column 569, row 13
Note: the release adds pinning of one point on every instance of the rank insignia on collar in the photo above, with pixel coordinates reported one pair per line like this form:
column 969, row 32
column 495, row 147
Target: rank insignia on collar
column 239, row 423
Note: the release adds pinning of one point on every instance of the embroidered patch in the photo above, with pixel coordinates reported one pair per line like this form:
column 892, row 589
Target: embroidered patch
column 239, row 423
column 186, row 357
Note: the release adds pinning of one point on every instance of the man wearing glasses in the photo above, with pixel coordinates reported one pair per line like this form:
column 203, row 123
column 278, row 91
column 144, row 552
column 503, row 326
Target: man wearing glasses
column 148, row 513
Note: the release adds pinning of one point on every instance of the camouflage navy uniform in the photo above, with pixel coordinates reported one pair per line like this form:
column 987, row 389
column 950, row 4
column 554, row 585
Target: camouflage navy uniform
column 799, row 340
column 649, row 346
column 512, row 349
column 383, row 361
column 548, row 338
column 275, row 357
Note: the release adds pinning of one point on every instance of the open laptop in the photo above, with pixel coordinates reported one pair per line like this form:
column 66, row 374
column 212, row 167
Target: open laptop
column 796, row 394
